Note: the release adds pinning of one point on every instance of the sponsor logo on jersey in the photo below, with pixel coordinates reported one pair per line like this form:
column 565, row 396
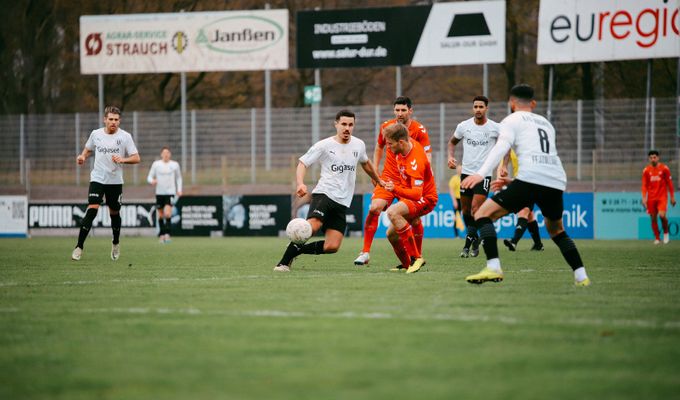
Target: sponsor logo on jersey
column 342, row 168
column 476, row 143
column 108, row 150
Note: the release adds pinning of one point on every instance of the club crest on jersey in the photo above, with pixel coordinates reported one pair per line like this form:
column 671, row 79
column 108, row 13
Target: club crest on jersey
column 356, row 154
column 119, row 142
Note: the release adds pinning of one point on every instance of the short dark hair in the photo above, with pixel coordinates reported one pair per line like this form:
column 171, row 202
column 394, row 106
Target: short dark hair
column 165, row 148
column 396, row 132
column 522, row 92
column 653, row 153
column 111, row 110
column 344, row 113
column 403, row 100
column 481, row 98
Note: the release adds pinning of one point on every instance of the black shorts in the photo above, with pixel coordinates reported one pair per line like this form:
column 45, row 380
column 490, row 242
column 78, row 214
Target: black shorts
column 481, row 188
column 113, row 193
column 521, row 194
column 163, row 200
column 333, row 215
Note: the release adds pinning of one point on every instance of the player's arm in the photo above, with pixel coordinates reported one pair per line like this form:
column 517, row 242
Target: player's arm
column 669, row 182
column 151, row 178
column 501, row 147
column 377, row 155
column 452, row 149
column 370, row 170
column 133, row 159
column 414, row 193
column 502, row 170
column 178, row 180
column 300, row 172
column 644, row 188
column 80, row 160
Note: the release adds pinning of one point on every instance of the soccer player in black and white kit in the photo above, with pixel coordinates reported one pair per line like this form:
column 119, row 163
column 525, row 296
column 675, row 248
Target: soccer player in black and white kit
column 332, row 195
column 478, row 135
column 166, row 175
column 541, row 180
column 112, row 147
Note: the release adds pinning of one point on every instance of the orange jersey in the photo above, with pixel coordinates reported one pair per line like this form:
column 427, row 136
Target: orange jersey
column 416, row 180
column 656, row 181
column 416, row 131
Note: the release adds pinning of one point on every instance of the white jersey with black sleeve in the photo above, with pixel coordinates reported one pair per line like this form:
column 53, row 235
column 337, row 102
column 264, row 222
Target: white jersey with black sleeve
column 338, row 167
column 533, row 139
column 105, row 146
column 168, row 177
column 477, row 142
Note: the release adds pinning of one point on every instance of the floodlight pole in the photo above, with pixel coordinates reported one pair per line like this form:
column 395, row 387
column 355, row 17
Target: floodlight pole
column 100, row 85
column 267, row 114
column 648, row 97
column 183, row 79
column 550, row 92
column 397, row 78
column 485, row 80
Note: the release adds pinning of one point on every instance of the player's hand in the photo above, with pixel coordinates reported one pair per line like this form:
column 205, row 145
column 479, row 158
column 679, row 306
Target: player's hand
column 673, row 202
column 117, row 159
column 80, row 160
column 389, row 186
column 301, row 190
column 502, row 172
column 499, row 183
column 470, row 181
column 644, row 203
column 179, row 194
column 154, row 182
column 382, row 183
column 452, row 163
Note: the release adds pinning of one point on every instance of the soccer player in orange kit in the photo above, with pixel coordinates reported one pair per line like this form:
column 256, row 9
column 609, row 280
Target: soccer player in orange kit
column 417, row 193
column 656, row 182
column 381, row 199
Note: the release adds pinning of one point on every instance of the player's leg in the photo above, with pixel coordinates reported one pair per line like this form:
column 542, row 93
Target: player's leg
column 532, row 227
column 380, row 200
column 653, row 212
column 94, row 199
column 662, row 207
column 466, row 210
column 114, row 195
column 481, row 192
column 167, row 214
column 399, row 250
column 515, row 197
column 160, row 214
column 398, row 213
column 551, row 203
column 520, row 228
column 293, row 250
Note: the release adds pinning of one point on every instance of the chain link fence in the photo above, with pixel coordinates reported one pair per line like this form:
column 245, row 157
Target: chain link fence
column 598, row 141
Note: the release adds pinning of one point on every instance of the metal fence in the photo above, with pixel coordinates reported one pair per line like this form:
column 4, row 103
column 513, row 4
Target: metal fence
column 597, row 141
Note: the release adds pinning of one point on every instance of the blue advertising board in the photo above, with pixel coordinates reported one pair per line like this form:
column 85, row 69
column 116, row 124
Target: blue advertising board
column 622, row 216
column 578, row 218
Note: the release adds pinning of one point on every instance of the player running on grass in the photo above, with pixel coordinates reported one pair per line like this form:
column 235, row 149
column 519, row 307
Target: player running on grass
column 417, row 193
column 541, row 181
column 112, row 147
column 332, row 195
column 478, row 135
column 381, row 199
column 656, row 182
column 166, row 175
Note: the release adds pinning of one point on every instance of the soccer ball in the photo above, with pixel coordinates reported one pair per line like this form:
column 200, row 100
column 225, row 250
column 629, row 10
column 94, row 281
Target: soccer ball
column 299, row 230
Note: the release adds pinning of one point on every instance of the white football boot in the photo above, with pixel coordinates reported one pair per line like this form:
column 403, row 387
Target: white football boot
column 115, row 251
column 77, row 252
column 363, row 259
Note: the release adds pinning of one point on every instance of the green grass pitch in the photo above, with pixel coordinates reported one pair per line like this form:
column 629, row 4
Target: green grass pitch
column 205, row 318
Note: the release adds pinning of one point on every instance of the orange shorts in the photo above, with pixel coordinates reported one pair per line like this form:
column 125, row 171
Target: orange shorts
column 421, row 207
column 381, row 193
column 656, row 205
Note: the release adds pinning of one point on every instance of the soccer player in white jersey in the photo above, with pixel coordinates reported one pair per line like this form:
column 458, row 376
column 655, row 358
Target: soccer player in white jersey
column 332, row 195
column 112, row 147
column 478, row 135
column 166, row 175
column 541, row 180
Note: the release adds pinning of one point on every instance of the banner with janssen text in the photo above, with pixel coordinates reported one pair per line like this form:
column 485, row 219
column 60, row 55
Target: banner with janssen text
column 440, row 34
column 183, row 42
column 572, row 31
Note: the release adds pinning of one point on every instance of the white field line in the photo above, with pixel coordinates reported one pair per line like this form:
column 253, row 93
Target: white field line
column 352, row 315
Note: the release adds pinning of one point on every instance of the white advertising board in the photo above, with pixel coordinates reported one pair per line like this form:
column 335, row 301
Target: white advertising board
column 572, row 31
column 184, row 42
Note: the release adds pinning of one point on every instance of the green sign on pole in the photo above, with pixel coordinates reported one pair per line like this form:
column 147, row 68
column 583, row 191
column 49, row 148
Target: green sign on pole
column 312, row 95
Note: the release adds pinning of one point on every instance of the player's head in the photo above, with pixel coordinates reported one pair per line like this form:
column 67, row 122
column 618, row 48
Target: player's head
column 653, row 157
column 396, row 137
column 480, row 105
column 165, row 153
column 403, row 109
column 111, row 118
column 344, row 125
column 522, row 98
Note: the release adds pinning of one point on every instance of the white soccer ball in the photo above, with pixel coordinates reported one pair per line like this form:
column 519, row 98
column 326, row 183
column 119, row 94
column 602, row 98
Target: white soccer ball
column 299, row 230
